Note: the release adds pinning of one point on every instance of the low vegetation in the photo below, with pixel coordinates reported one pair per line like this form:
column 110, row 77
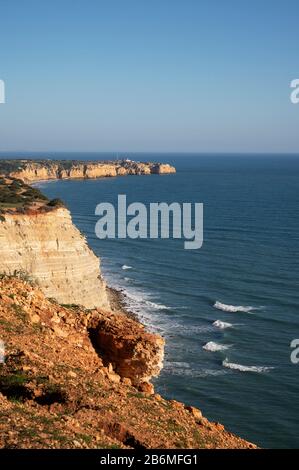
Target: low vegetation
column 15, row 194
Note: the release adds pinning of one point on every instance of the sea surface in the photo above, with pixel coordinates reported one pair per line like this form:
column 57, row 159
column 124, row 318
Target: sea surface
column 229, row 310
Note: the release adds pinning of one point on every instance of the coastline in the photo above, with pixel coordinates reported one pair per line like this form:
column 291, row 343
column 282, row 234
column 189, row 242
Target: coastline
column 117, row 302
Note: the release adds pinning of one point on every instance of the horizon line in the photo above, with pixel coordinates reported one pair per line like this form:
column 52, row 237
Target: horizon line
column 165, row 152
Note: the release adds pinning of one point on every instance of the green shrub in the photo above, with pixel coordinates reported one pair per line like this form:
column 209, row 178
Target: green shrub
column 56, row 203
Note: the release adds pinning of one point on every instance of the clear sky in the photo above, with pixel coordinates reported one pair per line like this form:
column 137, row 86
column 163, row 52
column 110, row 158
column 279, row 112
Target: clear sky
column 149, row 75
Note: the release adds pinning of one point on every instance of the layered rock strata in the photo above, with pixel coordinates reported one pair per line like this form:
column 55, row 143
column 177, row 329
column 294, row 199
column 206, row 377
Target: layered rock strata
column 51, row 250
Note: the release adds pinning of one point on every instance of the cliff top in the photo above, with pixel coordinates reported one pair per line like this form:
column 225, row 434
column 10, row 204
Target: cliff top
column 58, row 391
column 16, row 196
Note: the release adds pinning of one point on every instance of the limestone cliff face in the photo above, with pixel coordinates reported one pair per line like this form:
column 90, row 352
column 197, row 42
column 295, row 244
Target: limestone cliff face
column 48, row 247
column 30, row 171
column 162, row 168
column 33, row 172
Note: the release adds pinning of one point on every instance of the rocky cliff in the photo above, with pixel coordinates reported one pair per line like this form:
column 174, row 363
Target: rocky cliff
column 48, row 247
column 76, row 371
column 36, row 170
column 59, row 388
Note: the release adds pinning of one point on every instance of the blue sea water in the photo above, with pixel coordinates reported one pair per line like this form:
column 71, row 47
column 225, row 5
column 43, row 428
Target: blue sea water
column 244, row 377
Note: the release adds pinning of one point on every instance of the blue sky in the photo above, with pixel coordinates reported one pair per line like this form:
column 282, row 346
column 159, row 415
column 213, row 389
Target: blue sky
column 149, row 75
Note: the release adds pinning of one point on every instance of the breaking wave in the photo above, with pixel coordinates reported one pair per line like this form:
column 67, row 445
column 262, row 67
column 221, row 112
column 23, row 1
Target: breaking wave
column 222, row 324
column 233, row 308
column 233, row 366
column 125, row 267
column 156, row 306
column 213, row 347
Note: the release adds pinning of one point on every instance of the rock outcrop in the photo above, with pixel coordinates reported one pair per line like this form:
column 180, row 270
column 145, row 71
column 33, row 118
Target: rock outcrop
column 37, row 170
column 56, row 390
column 133, row 352
column 51, row 250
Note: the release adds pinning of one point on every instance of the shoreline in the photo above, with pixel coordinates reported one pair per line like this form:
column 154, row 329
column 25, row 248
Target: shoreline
column 117, row 297
column 117, row 302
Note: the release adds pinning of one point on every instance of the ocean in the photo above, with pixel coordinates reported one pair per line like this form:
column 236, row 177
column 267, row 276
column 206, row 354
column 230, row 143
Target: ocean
column 229, row 310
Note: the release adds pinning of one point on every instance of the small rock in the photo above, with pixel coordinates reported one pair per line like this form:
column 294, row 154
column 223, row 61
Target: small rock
column 35, row 318
column 126, row 381
column 147, row 388
column 203, row 421
column 194, row 411
column 219, row 426
column 55, row 319
column 59, row 332
column 113, row 377
column 72, row 374
column 176, row 404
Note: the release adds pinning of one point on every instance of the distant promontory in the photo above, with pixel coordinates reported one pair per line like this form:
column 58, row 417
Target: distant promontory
column 30, row 170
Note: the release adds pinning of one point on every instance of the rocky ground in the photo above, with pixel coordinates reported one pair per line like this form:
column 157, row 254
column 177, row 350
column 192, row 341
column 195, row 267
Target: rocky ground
column 59, row 390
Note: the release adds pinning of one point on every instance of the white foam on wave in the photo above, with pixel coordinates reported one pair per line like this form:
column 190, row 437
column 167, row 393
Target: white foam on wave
column 213, row 347
column 156, row 306
column 154, row 315
column 193, row 373
column 241, row 368
column 233, row 308
column 125, row 267
column 222, row 324
column 141, row 299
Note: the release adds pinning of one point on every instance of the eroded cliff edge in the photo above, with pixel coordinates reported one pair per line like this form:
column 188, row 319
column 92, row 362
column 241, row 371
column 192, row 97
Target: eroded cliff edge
column 74, row 378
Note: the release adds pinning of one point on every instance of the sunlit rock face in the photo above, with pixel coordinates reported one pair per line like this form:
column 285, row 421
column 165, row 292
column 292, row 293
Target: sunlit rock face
column 48, row 247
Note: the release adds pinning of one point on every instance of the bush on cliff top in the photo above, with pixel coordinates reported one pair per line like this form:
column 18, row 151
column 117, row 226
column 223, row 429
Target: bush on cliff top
column 56, row 203
column 15, row 193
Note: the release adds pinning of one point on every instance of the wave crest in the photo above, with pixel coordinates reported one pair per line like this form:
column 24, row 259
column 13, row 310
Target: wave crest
column 222, row 324
column 241, row 368
column 125, row 267
column 233, row 308
column 213, row 347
